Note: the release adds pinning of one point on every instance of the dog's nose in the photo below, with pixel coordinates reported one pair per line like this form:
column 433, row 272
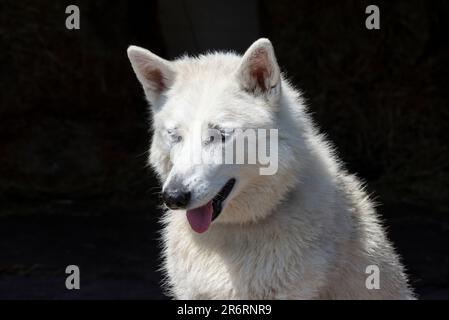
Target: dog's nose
column 176, row 199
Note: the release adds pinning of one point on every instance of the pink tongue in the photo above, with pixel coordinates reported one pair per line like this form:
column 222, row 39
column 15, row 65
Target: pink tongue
column 200, row 218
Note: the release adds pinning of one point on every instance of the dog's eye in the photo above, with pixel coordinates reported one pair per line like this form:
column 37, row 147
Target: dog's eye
column 210, row 139
column 225, row 133
column 217, row 133
column 174, row 136
column 212, row 136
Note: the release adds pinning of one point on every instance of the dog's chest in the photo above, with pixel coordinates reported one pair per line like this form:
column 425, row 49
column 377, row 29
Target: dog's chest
column 200, row 271
column 226, row 265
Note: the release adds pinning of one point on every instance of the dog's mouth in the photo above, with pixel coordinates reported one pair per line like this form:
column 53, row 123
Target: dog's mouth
column 200, row 218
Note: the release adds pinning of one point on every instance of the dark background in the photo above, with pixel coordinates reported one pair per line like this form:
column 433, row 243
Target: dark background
column 74, row 186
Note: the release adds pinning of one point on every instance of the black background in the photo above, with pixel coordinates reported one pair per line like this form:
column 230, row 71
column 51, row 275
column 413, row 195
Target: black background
column 74, row 131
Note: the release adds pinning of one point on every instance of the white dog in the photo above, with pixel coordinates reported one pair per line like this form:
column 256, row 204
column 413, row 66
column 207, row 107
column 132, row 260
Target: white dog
column 309, row 231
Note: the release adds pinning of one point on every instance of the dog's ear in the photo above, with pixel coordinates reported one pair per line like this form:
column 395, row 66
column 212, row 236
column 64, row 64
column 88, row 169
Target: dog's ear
column 259, row 71
column 154, row 73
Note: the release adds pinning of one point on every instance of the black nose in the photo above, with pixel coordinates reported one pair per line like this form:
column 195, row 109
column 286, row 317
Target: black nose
column 176, row 199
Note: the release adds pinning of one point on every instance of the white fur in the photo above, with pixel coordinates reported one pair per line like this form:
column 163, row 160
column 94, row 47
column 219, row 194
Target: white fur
column 307, row 232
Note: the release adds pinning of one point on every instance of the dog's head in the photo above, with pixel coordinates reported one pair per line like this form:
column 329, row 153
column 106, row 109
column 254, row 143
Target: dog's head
column 201, row 107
